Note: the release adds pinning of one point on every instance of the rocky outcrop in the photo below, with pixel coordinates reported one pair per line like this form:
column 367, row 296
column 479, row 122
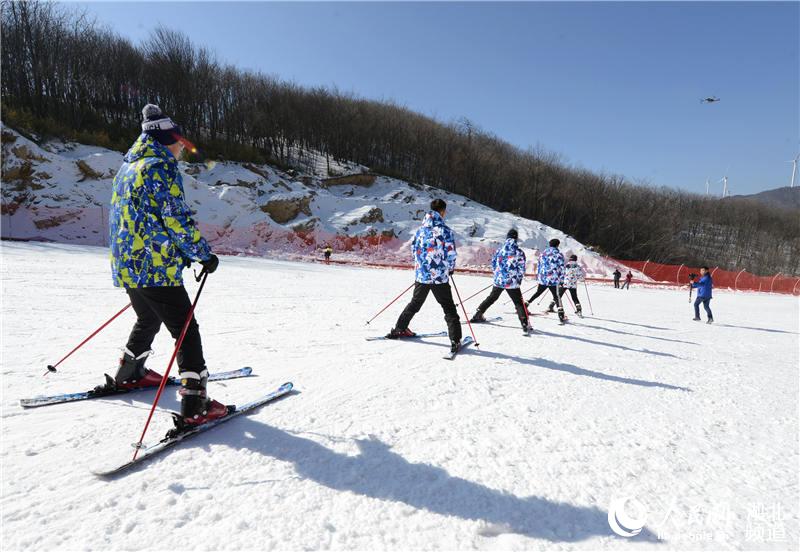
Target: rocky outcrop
column 285, row 210
column 364, row 180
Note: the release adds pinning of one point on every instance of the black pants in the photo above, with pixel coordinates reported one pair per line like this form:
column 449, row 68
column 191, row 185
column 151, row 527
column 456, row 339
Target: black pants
column 573, row 292
column 516, row 297
column 616, row 283
column 626, row 284
column 541, row 289
column 170, row 306
column 443, row 295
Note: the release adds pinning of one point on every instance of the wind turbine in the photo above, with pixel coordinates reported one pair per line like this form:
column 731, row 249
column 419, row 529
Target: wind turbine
column 794, row 167
column 724, row 181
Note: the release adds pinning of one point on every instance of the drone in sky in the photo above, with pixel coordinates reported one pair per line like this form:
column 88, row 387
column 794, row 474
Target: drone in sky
column 710, row 99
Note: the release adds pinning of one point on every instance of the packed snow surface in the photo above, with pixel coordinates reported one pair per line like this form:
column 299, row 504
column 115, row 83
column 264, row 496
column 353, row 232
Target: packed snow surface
column 522, row 443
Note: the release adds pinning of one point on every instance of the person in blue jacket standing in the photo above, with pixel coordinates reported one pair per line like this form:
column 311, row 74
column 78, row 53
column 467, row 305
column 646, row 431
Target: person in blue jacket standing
column 703, row 285
column 508, row 264
column 434, row 250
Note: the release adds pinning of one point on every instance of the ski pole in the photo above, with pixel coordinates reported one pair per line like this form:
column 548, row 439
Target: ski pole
column 477, row 292
column 52, row 367
column 465, row 312
column 569, row 298
column 523, row 295
column 137, row 446
column 588, row 298
column 390, row 304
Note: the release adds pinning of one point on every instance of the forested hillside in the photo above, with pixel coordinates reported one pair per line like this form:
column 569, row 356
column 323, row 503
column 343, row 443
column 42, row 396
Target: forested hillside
column 65, row 75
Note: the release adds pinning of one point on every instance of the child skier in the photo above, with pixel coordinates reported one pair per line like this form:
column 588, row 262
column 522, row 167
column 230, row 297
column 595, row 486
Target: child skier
column 434, row 251
column 628, row 278
column 573, row 273
column 508, row 264
column 551, row 273
column 153, row 238
column 703, row 286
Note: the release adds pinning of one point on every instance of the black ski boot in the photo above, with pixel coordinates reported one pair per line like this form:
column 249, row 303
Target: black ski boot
column 478, row 317
column 455, row 346
column 397, row 334
column 131, row 374
column 562, row 319
column 550, row 308
column 578, row 310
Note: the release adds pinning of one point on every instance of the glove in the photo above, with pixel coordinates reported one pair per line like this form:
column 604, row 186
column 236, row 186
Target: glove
column 210, row 264
column 452, row 270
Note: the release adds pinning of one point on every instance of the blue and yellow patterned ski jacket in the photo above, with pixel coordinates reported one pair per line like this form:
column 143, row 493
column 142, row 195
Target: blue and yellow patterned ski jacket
column 153, row 235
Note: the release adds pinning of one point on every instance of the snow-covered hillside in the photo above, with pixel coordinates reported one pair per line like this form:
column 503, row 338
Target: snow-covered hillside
column 521, row 445
column 61, row 191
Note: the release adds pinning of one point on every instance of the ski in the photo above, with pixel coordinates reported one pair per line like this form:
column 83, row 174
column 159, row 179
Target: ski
column 168, row 442
column 466, row 342
column 71, row 397
column 488, row 320
column 417, row 336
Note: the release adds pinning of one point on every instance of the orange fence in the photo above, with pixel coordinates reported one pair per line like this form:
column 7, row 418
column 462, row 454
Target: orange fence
column 731, row 279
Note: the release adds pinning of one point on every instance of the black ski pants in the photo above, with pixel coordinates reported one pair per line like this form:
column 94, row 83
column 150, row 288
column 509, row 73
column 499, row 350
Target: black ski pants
column 516, row 298
column 170, row 306
column 541, row 289
column 443, row 295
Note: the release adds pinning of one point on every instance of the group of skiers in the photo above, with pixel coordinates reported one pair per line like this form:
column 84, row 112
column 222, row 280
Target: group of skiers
column 434, row 250
column 154, row 237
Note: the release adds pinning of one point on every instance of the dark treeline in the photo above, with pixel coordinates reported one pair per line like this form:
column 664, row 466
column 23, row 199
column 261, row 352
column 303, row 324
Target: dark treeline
column 60, row 70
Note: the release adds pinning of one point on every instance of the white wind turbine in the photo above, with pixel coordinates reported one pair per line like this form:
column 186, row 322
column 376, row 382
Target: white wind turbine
column 794, row 167
column 724, row 181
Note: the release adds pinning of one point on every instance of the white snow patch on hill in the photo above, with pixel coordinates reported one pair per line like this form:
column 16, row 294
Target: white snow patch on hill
column 61, row 192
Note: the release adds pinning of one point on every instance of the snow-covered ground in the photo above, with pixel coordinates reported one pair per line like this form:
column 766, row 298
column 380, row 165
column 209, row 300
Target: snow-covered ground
column 61, row 191
column 522, row 444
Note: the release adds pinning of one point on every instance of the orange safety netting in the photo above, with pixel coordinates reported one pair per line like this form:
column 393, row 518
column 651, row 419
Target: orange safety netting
column 732, row 279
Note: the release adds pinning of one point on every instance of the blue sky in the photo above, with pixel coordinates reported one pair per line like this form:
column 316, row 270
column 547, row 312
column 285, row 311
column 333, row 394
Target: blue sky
column 610, row 86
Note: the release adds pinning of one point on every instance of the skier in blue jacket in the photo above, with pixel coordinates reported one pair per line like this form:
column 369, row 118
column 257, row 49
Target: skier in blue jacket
column 703, row 286
column 551, row 275
column 508, row 264
column 434, row 250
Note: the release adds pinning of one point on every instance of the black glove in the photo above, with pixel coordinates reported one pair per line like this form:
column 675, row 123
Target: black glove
column 210, row 264
column 452, row 270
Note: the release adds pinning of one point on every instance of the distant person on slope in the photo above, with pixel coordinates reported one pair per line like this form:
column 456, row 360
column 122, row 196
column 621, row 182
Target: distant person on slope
column 573, row 273
column 153, row 238
column 508, row 264
column 703, row 285
column 628, row 278
column 617, row 276
column 551, row 274
column 328, row 251
column 434, row 251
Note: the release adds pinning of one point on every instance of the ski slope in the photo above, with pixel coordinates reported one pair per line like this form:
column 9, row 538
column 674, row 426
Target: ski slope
column 519, row 445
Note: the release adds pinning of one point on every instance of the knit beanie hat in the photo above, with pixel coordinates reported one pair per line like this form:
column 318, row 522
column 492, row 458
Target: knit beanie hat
column 159, row 126
column 512, row 234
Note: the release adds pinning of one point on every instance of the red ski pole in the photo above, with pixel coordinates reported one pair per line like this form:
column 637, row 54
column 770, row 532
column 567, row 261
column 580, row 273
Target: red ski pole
column 465, row 311
column 164, row 379
column 477, row 292
column 52, row 367
column 390, row 304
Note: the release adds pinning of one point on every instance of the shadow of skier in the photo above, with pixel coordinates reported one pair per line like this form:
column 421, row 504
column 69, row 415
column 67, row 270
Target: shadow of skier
column 377, row 472
column 578, row 371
